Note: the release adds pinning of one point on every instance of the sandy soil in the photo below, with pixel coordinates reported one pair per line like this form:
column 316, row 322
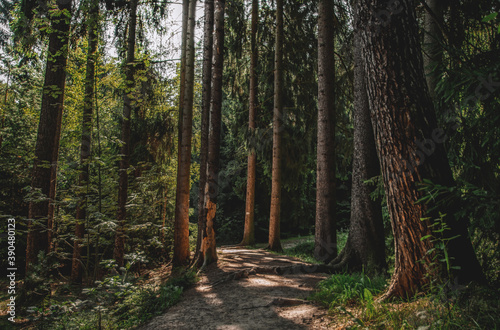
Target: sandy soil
column 259, row 301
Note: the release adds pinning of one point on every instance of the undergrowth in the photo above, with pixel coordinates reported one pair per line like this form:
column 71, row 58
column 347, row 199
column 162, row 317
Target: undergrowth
column 352, row 298
column 305, row 249
column 115, row 303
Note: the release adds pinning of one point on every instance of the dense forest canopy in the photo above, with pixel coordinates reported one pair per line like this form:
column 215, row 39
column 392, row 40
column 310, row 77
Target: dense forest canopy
column 136, row 133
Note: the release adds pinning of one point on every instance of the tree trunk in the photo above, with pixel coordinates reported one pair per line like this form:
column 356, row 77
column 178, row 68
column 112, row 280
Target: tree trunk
column 208, row 246
column 88, row 108
column 205, row 115
column 181, row 226
column 249, row 231
column 274, row 221
column 49, row 129
column 325, row 242
column 409, row 145
column 182, row 85
column 128, row 98
column 432, row 44
column 365, row 247
column 4, row 107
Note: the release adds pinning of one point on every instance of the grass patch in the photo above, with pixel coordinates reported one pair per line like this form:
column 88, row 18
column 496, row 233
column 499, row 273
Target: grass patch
column 303, row 251
column 351, row 298
column 348, row 289
column 303, row 247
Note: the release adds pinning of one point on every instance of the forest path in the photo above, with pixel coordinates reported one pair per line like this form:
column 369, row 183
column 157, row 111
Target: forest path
column 259, row 301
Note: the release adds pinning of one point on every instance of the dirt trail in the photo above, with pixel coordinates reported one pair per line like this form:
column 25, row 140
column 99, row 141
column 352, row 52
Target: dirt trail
column 259, row 301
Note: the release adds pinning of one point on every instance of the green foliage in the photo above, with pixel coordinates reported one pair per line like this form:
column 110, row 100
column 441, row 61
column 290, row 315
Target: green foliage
column 115, row 303
column 477, row 205
column 440, row 268
column 352, row 297
column 348, row 289
column 304, row 249
column 468, row 105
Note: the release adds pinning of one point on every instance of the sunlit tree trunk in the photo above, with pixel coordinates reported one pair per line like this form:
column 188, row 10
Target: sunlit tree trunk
column 182, row 78
column 274, row 221
column 409, row 146
column 365, row 247
column 85, row 149
column 249, row 230
column 325, row 242
column 205, row 114
column 49, row 129
column 181, row 225
column 208, row 247
column 128, row 99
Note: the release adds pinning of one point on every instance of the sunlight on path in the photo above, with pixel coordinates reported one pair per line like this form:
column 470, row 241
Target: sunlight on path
column 257, row 302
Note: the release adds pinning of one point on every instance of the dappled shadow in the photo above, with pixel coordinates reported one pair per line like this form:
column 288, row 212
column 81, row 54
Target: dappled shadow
column 246, row 303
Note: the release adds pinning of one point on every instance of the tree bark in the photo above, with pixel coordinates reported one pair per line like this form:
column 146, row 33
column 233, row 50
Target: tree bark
column 325, row 242
column 409, row 146
column 205, row 115
column 128, row 98
column 432, row 44
column 208, row 246
column 85, row 149
column 49, row 130
column 365, row 247
column 249, row 230
column 274, row 222
column 182, row 85
column 181, row 225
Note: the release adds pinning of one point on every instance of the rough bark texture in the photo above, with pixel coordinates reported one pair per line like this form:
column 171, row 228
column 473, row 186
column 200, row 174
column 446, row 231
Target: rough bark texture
column 274, row 222
column 325, row 242
column 365, row 248
column 85, row 149
column 205, row 114
column 432, row 44
column 409, row 144
column 249, row 230
column 181, row 225
column 208, row 247
column 49, row 129
column 119, row 248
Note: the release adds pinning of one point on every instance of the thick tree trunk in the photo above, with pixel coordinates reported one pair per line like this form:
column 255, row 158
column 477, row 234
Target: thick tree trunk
column 49, row 129
column 249, row 230
column 181, row 225
column 85, row 149
column 432, row 44
column 119, row 249
column 274, row 222
column 365, row 247
column 205, row 115
column 409, row 145
column 208, row 246
column 325, row 242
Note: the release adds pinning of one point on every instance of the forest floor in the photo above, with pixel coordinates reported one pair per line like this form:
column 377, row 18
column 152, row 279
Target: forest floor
column 258, row 301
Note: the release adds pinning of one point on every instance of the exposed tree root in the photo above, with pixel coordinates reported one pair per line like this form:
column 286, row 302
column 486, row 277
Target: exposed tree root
column 280, row 270
column 282, row 302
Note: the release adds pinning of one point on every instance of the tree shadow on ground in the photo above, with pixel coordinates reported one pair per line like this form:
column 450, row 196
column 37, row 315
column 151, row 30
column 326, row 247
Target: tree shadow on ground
column 245, row 303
